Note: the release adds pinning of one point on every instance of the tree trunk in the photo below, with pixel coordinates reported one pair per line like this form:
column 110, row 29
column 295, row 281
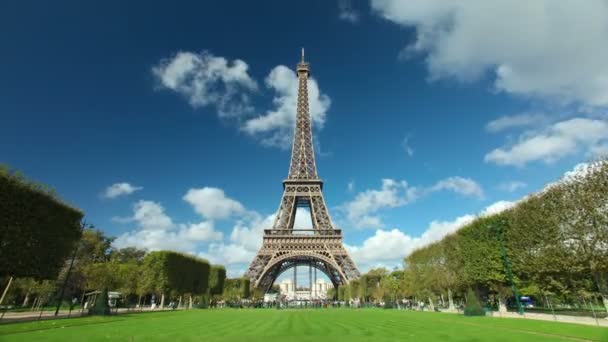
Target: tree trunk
column 605, row 300
column 450, row 301
column 10, row 281
column 34, row 303
column 179, row 303
column 502, row 307
column 431, row 306
column 162, row 301
column 190, row 302
column 26, row 300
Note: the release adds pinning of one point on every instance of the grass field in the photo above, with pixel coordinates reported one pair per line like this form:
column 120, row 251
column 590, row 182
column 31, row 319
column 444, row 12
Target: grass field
column 297, row 325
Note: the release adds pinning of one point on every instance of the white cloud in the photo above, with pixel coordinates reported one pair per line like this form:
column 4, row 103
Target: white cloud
column 463, row 186
column 228, row 255
column 151, row 216
column 208, row 80
column 498, row 207
column 389, row 247
column 543, row 48
column 120, row 189
column 212, row 203
column 248, row 234
column 245, row 241
column 512, row 186
column 202, row 231
column 275, row 127
column 512, row 121
column 346, row 11
column 205, row 79
column 156, row 230
column 557, row 141
column 361, row 212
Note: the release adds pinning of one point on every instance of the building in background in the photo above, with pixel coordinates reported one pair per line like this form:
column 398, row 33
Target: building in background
column 319, row 290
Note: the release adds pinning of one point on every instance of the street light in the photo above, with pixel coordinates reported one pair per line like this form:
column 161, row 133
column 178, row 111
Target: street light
column 505, row 258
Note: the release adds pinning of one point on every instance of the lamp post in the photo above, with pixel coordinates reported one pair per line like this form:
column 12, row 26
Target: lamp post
column 505, row 258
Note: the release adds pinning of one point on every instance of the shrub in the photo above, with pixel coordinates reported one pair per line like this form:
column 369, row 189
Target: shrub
column 473, row 307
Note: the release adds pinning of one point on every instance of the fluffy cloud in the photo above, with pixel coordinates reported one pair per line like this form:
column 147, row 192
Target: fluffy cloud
column 463, row 186
column 392, row 194
column 387, row 248
column 544, row 48
column 557, row 141
column 362, row 211
column 208, row 80
column 151, row 216
column 156, row 230
column 205, row 79
column 120, row 189
column 512, row 186
column 245, row 241
column 513, row 121
column 275, row 127
column 212, row 203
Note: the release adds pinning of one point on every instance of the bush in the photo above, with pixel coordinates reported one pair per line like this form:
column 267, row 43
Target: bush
column 473, row 307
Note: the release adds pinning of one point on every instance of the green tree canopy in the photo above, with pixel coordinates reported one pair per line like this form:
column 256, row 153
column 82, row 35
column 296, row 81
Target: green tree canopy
column 38, row 231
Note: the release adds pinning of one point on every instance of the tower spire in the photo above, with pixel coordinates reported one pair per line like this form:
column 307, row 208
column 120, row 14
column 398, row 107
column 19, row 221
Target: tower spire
column 302, row 154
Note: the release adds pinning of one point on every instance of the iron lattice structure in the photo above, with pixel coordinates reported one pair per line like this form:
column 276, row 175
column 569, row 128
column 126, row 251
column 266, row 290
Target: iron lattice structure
column 283, row 246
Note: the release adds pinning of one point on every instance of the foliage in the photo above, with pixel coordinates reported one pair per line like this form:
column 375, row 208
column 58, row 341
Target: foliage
column 38, row 230
column 217, row 276
column 167, row 272
column 236, row 289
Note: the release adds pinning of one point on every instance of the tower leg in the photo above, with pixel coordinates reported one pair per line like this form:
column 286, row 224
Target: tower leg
column 315, row 283
column 310, row 279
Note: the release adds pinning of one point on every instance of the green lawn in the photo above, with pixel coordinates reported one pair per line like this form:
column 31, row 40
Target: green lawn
column 297, row 325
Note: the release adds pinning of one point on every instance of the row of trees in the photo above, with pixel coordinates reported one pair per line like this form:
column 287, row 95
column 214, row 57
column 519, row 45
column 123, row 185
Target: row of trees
column 47, row 253
column 554, row 242
column 377, row 285
column 137, row 274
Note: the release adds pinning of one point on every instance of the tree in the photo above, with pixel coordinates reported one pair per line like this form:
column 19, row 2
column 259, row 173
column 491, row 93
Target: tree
column 236, row 289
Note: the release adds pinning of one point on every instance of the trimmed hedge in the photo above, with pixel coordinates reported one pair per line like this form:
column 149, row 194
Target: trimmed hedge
column 217, row 276
column 168, row 272
column 38, row 231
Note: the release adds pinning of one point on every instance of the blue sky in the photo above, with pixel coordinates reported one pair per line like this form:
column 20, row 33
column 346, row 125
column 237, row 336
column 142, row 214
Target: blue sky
column 426, row 114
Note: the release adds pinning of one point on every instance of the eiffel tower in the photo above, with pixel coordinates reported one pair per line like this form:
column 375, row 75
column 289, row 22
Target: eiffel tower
column 285, row 247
